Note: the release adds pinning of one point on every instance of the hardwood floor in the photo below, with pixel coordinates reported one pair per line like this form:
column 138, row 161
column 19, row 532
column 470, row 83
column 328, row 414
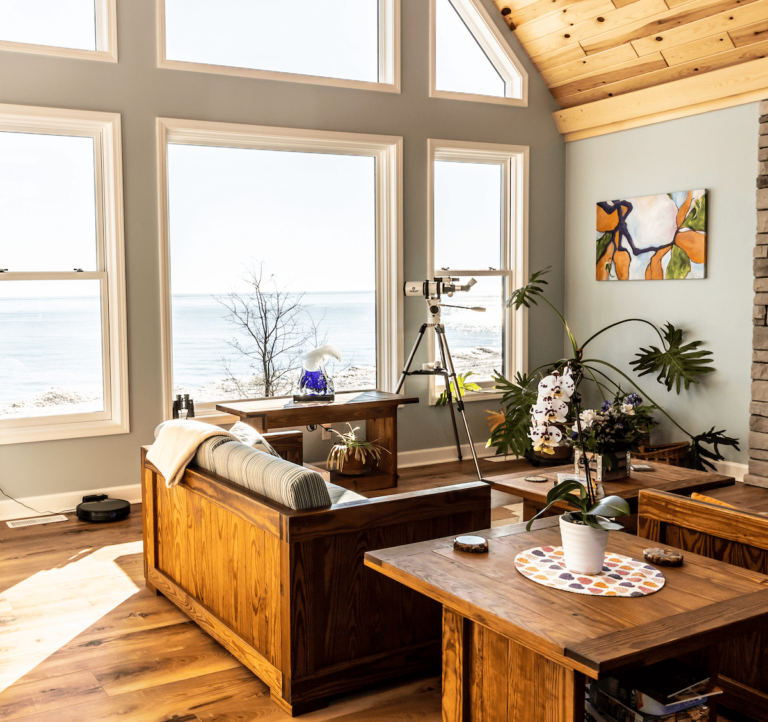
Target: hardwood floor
column 82, row 640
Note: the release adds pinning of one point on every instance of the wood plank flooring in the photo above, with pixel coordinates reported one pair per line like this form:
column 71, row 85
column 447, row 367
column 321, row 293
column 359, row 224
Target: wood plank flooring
column 82, row 640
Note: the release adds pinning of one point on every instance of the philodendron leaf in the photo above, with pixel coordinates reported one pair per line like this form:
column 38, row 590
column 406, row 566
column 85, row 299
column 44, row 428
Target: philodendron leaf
column 526, row 295
column 611, row 506
column 699, row 457
column 679, row 264
column 676, row 364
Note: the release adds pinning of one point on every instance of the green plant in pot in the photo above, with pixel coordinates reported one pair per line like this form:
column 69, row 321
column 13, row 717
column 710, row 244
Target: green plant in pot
column 584, row 532
column 350, row 454
column 676, row 364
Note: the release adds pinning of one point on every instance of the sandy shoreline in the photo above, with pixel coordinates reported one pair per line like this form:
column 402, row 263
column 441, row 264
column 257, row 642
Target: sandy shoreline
column 58, row 400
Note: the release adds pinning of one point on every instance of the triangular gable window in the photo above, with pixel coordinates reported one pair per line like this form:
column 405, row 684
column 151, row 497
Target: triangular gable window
column 471, row 59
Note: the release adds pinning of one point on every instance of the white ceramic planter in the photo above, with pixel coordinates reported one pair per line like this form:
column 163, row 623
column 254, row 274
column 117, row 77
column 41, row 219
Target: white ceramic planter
column 583, row 547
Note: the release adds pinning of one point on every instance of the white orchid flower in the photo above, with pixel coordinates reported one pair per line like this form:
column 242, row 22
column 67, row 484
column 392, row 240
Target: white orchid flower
column 557, row 386
column 628, row 409
column 550, row 411
column 589, row 417
column 544, row 438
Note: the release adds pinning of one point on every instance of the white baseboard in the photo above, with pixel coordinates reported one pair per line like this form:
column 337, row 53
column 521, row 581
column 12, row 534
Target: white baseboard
column 58, row 503
column 422, row 457
column 732, row 468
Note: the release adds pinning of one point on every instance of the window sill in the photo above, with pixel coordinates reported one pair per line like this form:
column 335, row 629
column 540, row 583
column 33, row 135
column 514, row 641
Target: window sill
column 471, row 396
column 58, row 431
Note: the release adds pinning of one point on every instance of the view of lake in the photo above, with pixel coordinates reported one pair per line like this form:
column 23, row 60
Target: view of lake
column 50, row 356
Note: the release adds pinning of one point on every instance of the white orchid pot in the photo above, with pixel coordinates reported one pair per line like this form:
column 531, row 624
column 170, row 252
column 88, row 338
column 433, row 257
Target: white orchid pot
column 583, row 546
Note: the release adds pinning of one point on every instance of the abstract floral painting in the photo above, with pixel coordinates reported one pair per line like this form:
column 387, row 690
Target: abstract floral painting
column 652, row 238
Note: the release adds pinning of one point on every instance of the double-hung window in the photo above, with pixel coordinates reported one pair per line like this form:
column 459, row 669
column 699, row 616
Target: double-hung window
column 348, row 43
column 84, row 29
column 478, row 229
column 63, row 358
column 276, row 242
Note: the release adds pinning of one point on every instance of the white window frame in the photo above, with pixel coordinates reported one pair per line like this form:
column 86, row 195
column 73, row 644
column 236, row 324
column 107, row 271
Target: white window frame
column 493, row 44
column 514, row 161
column 388, row 154
column 104, row 128
column 106, row 39
column 389, row 57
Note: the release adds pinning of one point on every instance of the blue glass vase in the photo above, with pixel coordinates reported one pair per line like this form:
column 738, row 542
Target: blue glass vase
column 314, row 386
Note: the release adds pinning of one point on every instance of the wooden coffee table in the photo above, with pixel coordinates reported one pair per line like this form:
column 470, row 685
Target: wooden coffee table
column 377, row 408
column 516, row 651
column 663, row 477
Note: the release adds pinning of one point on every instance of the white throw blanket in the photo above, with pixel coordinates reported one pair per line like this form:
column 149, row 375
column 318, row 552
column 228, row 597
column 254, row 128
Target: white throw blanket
column 177, row 444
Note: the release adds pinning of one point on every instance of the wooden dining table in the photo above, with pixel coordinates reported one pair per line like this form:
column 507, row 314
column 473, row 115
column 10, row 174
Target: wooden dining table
column 514, row 650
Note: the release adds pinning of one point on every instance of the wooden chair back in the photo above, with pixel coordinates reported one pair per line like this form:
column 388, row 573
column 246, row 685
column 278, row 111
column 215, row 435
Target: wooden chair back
column 734, row 536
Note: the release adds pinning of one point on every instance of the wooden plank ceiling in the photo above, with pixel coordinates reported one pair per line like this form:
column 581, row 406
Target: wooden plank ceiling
column 590, row 50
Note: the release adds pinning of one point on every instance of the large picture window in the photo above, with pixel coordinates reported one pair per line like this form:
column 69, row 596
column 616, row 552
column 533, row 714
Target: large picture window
column 277, row 242
column 352, row 43
column 62, row 297
column 478, row 229
column 69, row 28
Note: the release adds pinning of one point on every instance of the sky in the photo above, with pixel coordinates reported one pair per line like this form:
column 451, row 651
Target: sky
column 61, row 23
column 308, row 216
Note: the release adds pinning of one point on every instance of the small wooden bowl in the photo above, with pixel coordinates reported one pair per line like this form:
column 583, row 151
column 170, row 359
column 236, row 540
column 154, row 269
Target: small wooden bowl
column 663, row 557
column 471, row 544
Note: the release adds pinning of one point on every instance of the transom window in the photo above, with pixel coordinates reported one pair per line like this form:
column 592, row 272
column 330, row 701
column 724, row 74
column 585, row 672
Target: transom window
column 277, row 245
column 341, row 42
column 62, row 306
column 74, row 28
column 477, row 221
column 471, row 59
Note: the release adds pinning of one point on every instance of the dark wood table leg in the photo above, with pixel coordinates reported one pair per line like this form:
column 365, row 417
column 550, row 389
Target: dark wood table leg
column 382, row 430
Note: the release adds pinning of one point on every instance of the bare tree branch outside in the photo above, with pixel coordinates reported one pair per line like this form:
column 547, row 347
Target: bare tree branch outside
column 273, row 330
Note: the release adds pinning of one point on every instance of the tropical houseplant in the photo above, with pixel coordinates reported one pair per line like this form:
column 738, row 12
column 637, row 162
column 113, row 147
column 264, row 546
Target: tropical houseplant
column 676, row 365
column 350, row 454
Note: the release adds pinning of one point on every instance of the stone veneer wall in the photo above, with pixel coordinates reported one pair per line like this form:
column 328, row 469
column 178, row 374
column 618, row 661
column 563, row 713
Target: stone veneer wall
column 758, row 409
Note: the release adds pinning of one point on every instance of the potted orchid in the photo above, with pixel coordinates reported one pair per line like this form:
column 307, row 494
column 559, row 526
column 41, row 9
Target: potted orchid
column 608, row 435
column 584, row 532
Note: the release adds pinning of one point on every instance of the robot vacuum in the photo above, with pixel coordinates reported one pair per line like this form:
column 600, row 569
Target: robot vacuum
column 103, row 510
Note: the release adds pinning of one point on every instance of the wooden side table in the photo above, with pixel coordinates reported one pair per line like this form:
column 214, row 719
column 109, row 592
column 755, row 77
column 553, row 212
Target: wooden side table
column 663, row 477
column 377, row 408
column 516, row 651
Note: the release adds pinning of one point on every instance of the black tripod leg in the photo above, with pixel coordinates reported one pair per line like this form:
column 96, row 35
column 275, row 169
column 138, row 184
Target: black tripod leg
column 408, row 363
column 449, row 395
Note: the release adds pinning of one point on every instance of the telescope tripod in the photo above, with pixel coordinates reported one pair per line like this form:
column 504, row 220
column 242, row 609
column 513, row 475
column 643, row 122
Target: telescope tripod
column 448, row 372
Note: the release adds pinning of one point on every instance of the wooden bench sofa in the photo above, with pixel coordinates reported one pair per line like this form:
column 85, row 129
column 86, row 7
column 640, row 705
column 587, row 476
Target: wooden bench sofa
column 286, row 592
column 735, row 536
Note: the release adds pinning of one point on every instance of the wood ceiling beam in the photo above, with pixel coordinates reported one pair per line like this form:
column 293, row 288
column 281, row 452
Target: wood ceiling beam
column 722, row 88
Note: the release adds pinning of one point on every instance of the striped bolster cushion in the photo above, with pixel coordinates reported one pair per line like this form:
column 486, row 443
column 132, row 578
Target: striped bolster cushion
column 270, row 476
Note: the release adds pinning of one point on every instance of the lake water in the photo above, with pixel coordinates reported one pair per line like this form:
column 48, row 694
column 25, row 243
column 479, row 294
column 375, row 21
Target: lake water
column 56, row 342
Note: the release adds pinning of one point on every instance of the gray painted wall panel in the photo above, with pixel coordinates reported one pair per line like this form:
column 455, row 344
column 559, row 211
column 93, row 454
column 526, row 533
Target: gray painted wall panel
column 717, row 151
column 141, row 92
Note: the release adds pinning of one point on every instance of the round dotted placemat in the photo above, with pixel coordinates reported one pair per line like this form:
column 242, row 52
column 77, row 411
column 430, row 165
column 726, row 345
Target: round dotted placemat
column 622, row 576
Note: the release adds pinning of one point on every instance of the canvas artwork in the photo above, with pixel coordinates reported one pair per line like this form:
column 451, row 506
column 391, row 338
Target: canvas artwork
column 652, row 238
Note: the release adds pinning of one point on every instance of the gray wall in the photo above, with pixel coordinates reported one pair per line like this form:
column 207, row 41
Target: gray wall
column 141, row 92
column 717, row 151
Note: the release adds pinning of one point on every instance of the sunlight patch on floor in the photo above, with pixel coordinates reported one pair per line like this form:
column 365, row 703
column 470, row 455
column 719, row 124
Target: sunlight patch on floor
column 69, row 599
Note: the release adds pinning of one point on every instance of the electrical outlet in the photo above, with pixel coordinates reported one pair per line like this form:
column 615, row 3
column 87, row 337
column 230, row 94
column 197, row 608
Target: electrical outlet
column 326, row 433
